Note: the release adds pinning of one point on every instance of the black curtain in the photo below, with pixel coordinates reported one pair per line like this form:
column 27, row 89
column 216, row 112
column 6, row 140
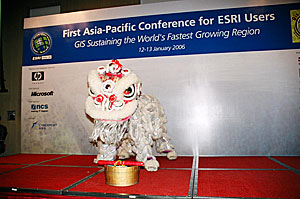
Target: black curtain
column 2, row 81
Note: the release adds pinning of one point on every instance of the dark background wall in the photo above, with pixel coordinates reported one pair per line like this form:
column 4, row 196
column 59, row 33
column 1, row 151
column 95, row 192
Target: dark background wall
column 13, row 14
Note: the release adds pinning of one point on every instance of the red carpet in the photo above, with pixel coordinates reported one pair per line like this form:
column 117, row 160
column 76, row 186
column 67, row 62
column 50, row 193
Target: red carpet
column 163, row 182
column 180, row 162
column 39, row 196
column 238, row 163
column 41, row 177
column 255, row 183
column 28, row 158
column 74, row 160
column 4, row 168
column 72, row 176
column 293, row 162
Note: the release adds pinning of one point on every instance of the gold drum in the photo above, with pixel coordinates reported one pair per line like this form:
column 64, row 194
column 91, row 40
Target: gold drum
column 121, row 176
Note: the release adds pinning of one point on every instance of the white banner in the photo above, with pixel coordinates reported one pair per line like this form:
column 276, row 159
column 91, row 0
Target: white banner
column 220, row 103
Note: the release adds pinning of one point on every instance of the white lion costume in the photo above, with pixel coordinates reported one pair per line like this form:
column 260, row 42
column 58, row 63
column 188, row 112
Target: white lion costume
column 125, row 122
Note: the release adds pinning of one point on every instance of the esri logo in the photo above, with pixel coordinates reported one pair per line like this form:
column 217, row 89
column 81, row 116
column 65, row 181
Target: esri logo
column 40, row 43
column 38, row 76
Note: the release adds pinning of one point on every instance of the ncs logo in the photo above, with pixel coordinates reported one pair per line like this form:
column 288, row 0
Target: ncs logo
column 39, row 107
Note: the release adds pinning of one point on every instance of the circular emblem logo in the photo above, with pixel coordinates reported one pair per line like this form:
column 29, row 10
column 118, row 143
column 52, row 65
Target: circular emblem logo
column 41, row 43
column 297, row 26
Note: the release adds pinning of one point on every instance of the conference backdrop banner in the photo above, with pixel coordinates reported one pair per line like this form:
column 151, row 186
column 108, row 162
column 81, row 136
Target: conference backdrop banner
column 227, row 76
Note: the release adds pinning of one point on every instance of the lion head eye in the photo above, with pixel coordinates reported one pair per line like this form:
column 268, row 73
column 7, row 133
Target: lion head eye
column 91, row 92
column 130, row 92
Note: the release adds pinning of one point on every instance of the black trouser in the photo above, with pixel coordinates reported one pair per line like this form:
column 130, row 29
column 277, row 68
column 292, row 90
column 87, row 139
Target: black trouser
column 3, row 134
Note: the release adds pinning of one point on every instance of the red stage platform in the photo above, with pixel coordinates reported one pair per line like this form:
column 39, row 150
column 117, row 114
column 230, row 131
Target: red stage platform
column 76, row 176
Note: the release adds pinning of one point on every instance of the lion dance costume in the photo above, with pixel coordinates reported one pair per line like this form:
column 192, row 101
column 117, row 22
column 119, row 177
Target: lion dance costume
column 125, row 121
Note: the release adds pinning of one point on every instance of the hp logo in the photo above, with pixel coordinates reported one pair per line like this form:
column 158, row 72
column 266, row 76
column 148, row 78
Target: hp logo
column 38, row 76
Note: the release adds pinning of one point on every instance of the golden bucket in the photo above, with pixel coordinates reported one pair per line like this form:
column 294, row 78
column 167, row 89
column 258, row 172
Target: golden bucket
column 121, row 176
